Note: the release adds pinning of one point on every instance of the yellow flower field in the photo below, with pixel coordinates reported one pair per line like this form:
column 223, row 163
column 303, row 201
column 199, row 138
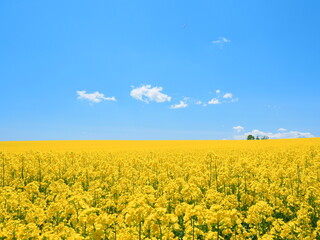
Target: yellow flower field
column 160, row 189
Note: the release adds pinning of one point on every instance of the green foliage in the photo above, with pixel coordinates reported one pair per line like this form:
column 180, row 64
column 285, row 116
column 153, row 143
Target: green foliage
column 250, row 137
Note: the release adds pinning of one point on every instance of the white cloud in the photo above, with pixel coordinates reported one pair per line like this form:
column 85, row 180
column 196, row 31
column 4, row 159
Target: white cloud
column 224, row 98
column 221, row 40
column 238, row 128
column 214, row 101
column 282, row 130
column 278, row 135
column 182, row 104
column 198, row 102
column 147, row 94
column 95, row 97
column 228, row 95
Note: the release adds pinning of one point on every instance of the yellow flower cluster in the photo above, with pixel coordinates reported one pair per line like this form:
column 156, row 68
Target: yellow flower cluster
column 183, row 190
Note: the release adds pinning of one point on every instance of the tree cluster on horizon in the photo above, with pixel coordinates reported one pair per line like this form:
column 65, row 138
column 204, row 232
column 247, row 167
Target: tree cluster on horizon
column 251, row 137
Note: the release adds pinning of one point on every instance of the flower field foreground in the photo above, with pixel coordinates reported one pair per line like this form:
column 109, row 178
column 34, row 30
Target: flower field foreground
column 160, row 189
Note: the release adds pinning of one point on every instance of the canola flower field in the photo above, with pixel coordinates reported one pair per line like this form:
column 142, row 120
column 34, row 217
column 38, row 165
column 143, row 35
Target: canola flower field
column 160, row 190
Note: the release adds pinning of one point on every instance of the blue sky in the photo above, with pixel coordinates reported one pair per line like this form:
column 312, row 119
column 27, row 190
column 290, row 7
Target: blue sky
column 162, row 61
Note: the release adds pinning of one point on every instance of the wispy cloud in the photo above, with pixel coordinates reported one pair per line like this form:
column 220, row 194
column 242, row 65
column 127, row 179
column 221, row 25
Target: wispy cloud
column 228, row 95
column 238, row 128
column 95, row 97
column 278, row 135
column 182, row 104
column 221, row 40
column 282, row 130
column 147, row 94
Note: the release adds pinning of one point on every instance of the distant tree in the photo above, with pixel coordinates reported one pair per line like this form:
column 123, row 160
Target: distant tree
column 257, row 138
column 250, row 137
column 264, row 138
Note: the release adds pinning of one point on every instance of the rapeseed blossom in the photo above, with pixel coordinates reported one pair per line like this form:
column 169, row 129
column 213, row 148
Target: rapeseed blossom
column 161, row 190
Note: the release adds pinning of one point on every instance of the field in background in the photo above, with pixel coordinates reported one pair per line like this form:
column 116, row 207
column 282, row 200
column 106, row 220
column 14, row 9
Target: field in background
column 267, row 189
column 123, row 145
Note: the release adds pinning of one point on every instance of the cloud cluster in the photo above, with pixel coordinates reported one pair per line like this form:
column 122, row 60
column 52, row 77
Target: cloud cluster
column 146, row 94
column 95, row 97
column 282, row 133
